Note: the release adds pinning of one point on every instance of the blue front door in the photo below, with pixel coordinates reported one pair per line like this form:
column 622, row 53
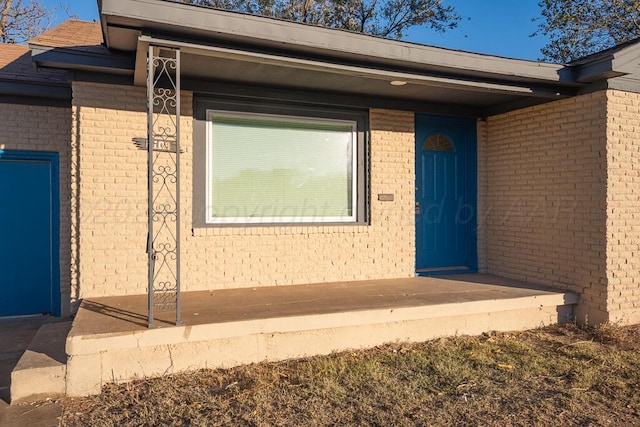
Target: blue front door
column 446, row 191
column 29, row 281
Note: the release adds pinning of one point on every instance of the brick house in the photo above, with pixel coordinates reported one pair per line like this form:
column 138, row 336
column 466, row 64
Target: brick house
column 417, row 161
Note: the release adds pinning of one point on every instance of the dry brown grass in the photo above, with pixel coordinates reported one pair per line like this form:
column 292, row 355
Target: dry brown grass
column 560, row 375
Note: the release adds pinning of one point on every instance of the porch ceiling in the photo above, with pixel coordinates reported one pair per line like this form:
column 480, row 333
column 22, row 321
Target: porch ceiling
column 264, row 69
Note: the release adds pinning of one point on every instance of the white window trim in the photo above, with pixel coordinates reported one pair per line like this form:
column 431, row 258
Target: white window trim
column 279, row 220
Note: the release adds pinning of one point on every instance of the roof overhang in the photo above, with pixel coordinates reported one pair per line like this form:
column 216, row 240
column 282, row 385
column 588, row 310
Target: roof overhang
column 239, row 49
column 623, row 60
column 200, row 60
column 123, row 20
column 246, row 49
column 97, row 59
column 614, row 68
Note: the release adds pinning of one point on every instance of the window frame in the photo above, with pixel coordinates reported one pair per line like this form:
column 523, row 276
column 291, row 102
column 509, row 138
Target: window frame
column 204, row 104
column 278, row 219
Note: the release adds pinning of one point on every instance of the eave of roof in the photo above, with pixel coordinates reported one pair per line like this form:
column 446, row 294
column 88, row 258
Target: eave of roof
column 245, row 50
column 617, row 61
column 16, row 65
column 264, row 52
column 21, row 80
column 78, row 45
column 123, row 20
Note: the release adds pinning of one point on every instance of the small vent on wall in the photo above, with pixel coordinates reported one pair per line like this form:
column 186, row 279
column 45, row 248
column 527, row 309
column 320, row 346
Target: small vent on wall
column 438, row 142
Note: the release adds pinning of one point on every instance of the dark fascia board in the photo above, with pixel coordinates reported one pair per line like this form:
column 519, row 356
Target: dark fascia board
column 270, row 93
column 625, row 83
column 14, row 88
column 596, row 71
column 513, row 105
column 609, row 64
column 601, row 68
column 205, row 23
column 79, row 59
column 95, row 77
column 627, row 60
column 37, row 101
column 103, row 24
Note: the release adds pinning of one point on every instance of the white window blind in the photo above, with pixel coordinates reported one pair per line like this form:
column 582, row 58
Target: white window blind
column 280, row 169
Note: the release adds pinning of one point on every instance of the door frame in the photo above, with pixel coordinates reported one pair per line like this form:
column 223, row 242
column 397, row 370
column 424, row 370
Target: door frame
column 53, row 159
column 471, row 184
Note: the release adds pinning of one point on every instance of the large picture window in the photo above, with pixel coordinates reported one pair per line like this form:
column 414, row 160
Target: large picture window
column 272, row 168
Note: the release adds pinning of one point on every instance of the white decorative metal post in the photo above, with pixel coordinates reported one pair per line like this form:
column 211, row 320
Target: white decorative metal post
column 163, row 149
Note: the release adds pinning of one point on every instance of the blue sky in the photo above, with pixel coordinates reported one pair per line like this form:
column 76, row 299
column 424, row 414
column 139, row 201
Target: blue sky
column 497, row 27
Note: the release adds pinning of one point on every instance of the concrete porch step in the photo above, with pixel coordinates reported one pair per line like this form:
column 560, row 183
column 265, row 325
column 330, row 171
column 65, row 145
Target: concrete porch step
column 109, row 341
column 41, row 371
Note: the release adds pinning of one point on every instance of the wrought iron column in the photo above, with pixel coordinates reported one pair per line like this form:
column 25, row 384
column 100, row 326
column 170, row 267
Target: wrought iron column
column 163, row 155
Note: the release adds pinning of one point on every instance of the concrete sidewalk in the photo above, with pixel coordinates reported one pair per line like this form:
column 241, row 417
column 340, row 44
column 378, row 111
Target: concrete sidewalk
column 41, row 414
column 15, row 336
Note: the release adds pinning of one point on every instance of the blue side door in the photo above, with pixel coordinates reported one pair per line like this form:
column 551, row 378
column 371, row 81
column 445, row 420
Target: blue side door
column 446, row 195
column 29, row 273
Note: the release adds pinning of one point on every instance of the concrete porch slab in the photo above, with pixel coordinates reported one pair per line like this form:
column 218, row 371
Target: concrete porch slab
column 109, row 340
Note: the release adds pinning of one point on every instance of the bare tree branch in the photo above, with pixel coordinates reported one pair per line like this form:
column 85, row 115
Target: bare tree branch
column 4, row 17
column 577, row 28
column 387, row 18
column 21, row 20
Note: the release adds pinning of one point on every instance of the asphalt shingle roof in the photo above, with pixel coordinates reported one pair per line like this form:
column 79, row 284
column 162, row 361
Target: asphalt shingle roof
column 72, row 33
column 16, row 65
